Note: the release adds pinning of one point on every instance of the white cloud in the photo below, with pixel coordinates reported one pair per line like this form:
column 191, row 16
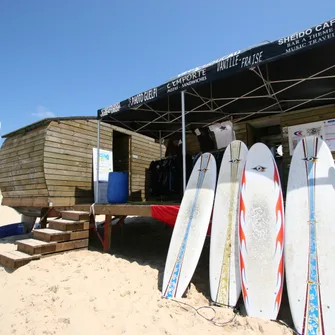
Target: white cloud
column 43, row 112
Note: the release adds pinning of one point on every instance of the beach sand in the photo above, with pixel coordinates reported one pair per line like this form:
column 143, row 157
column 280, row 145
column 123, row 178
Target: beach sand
column 88, row 292
column 8, row 215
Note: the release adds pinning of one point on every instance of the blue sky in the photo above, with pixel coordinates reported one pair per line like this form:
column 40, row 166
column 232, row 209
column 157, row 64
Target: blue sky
column 72, row 57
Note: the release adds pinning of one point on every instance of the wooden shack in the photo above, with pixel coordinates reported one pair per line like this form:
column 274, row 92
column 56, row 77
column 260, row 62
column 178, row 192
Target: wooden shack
column 51, row 161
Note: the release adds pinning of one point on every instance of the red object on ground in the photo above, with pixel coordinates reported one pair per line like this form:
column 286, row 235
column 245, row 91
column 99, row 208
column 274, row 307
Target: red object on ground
column 168, row 214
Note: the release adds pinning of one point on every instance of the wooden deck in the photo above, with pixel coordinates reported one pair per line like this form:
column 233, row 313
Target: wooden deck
column 122, row 210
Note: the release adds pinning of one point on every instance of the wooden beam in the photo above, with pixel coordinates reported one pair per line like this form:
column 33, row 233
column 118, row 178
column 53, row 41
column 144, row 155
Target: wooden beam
column 107, row 233
column 119, row 210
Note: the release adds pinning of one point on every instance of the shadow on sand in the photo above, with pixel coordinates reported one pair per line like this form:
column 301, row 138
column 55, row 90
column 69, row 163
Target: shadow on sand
column 146, row 241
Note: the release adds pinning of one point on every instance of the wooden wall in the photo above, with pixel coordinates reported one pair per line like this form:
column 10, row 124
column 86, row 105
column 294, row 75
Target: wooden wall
column 53, row 163
column 21, row 169
column 68, row 159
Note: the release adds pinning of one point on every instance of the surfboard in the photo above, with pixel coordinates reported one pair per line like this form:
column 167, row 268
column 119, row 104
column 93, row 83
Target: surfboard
column 190, row 229
column 309, row 238
column 261, row 234
column 224, row 271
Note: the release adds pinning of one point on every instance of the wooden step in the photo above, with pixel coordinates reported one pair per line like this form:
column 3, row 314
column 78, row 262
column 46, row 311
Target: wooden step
column 33, row 247
column 75, row 215
column 15, row 259
column 52, row 235
column 68, row 225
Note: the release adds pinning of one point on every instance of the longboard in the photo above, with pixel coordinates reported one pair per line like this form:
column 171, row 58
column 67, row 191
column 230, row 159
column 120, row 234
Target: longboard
column 261, row 234
column 224, row 271
column 309, row 238
column 190, row 229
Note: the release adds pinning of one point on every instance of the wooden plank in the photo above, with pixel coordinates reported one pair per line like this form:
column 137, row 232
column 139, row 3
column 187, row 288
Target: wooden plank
column 24, row 138
column 86, row 131
column 48, row 162
column 15, row 157
column 69, row 201
column 22, row 177
column 68, row 225
column 86, row 179
column 76, row 215
column 27, row 193
column 14, row 259
column 67, row 152
column 122, row 210
column 84, row 149
column 52, row 235
column 67, row 172
column 5, row 167
column 21, row 151
column 24, row 187
column 25, row 202
column 87, row 183
column 34, row 247
column 31, row 181
column 68, row 135
column 70, row 168
column 22, row 147
column 22, row 172
column 65, row 130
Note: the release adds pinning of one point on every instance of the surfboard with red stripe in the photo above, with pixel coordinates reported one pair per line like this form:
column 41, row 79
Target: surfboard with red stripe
column 261, row 234
column 309, row 238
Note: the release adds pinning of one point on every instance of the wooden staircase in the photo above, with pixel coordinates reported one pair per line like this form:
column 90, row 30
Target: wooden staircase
column 67, row 233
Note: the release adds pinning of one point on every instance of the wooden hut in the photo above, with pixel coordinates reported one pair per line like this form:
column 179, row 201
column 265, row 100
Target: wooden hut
column 50, row 162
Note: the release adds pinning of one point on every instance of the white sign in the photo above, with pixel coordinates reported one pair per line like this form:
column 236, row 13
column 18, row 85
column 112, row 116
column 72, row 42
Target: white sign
column 298, row 132
column 330, row 133
column 105, row 167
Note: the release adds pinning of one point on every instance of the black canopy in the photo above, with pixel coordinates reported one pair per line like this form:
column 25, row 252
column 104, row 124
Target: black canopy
column 294, row 72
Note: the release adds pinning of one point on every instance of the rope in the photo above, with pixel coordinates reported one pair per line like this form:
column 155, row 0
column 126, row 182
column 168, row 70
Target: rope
column 211, row 320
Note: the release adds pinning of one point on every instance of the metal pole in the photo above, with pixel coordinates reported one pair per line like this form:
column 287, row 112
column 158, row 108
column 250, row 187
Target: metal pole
column 98, row 162
column 183, row 137
column 160, row 144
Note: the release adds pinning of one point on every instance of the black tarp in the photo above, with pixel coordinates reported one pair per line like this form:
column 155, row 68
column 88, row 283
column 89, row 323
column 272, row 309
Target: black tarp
column 228, row 82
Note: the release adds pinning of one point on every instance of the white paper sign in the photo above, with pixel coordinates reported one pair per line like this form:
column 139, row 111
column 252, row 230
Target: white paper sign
column 298, row 132
column 330, row 133
column 105, row 167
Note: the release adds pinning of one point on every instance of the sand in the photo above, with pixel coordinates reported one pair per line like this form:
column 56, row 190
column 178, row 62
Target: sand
column 88, row 292
column 8, row 215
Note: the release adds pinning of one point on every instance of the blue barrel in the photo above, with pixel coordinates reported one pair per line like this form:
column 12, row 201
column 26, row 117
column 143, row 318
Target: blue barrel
column 117, row 189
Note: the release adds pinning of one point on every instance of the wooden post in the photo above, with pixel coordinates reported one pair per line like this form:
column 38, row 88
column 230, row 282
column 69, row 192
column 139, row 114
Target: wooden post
column 44, row 217
column 107, row 233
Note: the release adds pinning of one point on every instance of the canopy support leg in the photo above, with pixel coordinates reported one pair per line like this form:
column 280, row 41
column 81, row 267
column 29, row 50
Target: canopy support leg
column 183, row 138
column 160, row 144
column 96, row 200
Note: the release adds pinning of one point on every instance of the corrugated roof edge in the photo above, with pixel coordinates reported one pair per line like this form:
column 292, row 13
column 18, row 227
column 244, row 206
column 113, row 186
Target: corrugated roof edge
column 43, row 122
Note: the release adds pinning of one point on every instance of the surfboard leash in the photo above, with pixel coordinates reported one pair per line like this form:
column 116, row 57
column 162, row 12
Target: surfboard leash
column 211, row 320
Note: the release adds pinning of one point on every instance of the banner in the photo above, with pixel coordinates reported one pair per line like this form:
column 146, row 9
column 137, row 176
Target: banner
column 105, row 167
column 231, row 64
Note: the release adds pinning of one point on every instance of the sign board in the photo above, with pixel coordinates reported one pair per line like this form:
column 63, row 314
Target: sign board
column 324, row 129
column 105, row 167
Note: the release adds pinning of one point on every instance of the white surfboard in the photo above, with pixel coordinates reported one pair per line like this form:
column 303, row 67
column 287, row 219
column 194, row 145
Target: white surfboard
column 224, row 271
column 310, row 238
column 190, row 229
column 261, row 234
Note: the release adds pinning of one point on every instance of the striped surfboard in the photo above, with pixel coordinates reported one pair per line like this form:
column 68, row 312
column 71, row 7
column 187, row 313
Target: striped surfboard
column 224, row 272
column 309, row 238
column 190, row 229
